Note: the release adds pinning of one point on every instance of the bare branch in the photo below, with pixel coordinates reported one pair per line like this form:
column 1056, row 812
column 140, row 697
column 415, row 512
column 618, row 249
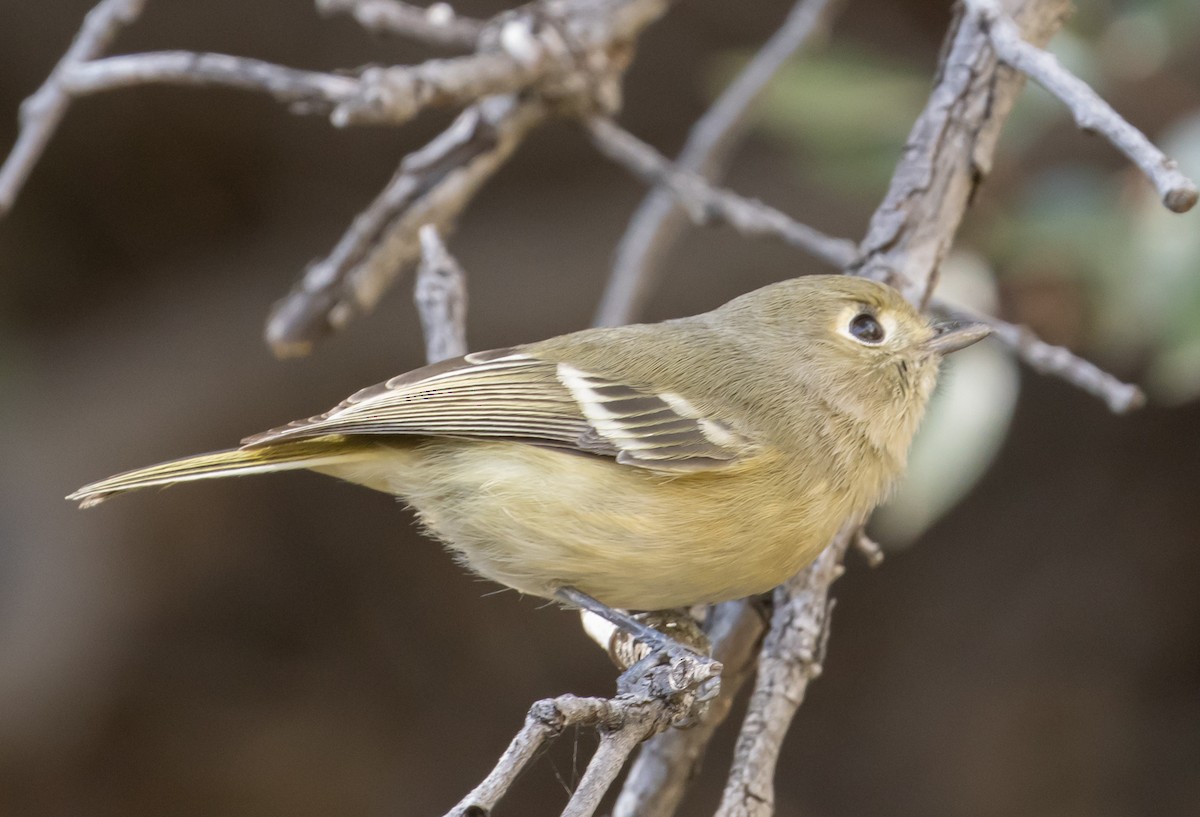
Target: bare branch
column 1047, row 358
column 948, row 153
column 665, row 765
column 432, row 186
column 390, row 95
column 659, row 219
column 545, row 721
column 615, row 747
column 42, row 112
column 1091, row 113
column 314, row 91
column 792, row 655
column 705, row 203
column 436, row 25
column 441, row 296
column 396, row 94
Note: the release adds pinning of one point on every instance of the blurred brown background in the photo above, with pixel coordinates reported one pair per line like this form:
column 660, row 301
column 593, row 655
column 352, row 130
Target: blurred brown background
column 289, row 645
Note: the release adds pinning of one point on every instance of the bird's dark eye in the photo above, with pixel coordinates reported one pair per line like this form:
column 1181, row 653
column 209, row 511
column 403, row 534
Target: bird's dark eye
column 866, row 328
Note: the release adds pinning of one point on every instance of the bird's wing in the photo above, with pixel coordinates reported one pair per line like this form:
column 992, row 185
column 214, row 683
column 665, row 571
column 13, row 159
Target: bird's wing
column 510, row 395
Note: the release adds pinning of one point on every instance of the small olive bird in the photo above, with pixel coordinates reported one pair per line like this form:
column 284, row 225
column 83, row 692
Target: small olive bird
column 641, row 467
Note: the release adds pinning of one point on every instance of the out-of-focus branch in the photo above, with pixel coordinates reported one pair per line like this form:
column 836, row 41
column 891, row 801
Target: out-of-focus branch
column 1091, row 113
column 1047, row 358
column 441, row 296
column 437, row 24
column 432, row 186
column 42, row 112
column 389, row 96
column 705, row 203
column 313, row 91
column 666, row 764
column 949, row 151
column 659, row 219
column 792, row 655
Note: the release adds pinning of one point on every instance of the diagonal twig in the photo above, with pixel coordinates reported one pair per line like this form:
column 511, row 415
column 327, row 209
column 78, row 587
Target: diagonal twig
column 432, row 186
column 1047, row 358
column 1091, row 113
column 659, row 219
column 42, row 112
column 436, row 24
column 705, row 203
column 313, row 91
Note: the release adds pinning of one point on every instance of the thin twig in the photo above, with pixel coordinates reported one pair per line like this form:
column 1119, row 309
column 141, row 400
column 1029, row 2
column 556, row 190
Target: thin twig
column 616, row 745
column 1091, row 113
column 545, row 721
column 659, row 219
column 437, row 25
column 1058, row 361
column 441, row 296
column 42, row 112
column 792, row 655
column 432, row 186
column 314, row 91
column 705, row 203
column 666, row 764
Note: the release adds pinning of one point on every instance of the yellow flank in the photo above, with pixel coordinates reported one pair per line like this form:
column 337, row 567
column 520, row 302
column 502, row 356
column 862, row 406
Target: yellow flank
column 649, row 466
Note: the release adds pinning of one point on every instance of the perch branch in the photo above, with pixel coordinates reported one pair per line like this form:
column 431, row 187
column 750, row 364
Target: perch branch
column 705, row 203
column 42, row 112
column 659, row 219
column 441, row 296
column 436, row 25
column 1091, row 113
column 1047, row 358
column 667, row 763
column 546, row 720
column 792, row 655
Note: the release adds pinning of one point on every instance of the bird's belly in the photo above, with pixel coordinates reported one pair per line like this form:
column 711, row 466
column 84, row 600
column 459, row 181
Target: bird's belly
column 536, row 520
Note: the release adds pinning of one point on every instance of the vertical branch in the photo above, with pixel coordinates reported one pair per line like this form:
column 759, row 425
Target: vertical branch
column 791, row 657
column 440, row 293
column 659, row 219
column 42, row 112
column 670, row 761
column 949, row 151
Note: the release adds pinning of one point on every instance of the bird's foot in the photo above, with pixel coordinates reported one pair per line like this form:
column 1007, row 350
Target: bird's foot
column 673, row 667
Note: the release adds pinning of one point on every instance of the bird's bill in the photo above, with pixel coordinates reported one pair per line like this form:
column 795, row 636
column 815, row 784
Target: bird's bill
column 950, row 336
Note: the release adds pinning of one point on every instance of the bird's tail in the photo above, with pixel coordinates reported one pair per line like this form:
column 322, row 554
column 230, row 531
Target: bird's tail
column 285, row 456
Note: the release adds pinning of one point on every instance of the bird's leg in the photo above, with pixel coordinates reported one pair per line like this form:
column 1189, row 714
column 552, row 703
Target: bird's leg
column 686, row 669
